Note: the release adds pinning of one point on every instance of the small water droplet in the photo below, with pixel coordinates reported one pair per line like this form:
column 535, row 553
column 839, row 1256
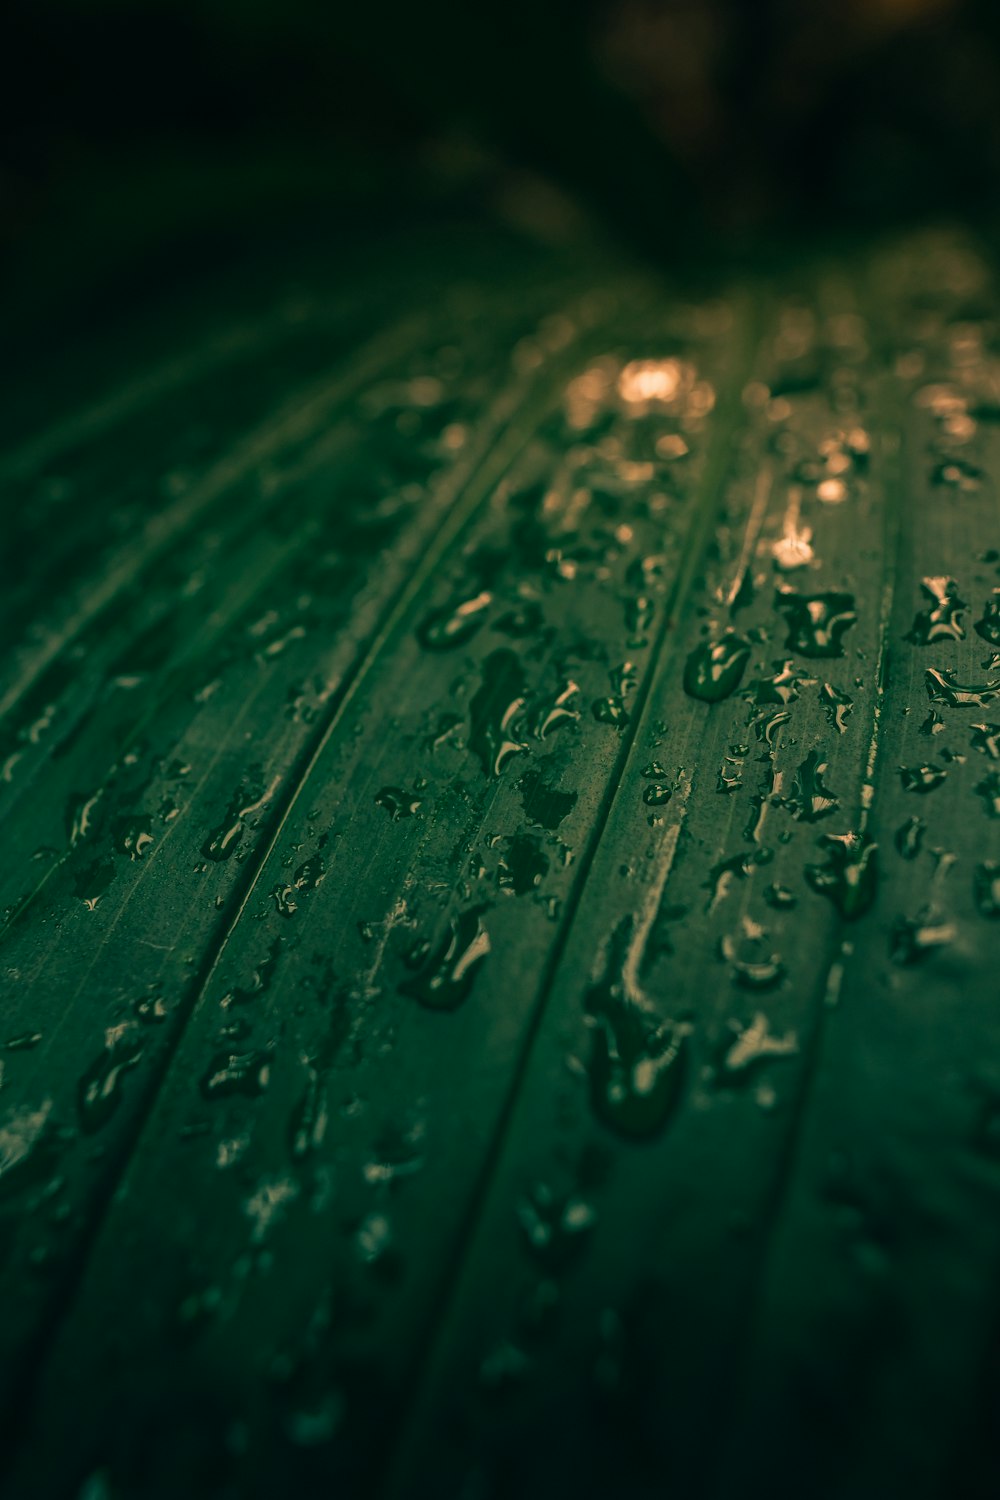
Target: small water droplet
column 454, row 624
column 921, row 779
column 657, row 794
column 748, row 1047
column 398, row 803
column 260, row 979
column 761, row 970
column 914, row 939
column 909, row 836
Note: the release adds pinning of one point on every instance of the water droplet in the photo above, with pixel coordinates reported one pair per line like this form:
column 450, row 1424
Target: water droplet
column 247, row 1073
column 610, row 710
column 989, row 626
column 132, row 835
column 942, row 687
column 781, row 687
column 850, row 876
column 454, row 624
column 25, row 1041
column 989, row 790
column 28, row 1148
column 555, row 1227
column 933, row 724
column 778, row 897
column 524, row 865
column 397, row 802
column 736, row 867
column 750, row 1047
column 260, row 980
column 639, row 614
column 810, row 800
column 544, row 806
column 552, row 712
column 909, row 837
column 755, row 972
column 943, row 619
column 914, row 939
column 99, row 1092
column 524, row 620
column 986, row 888
column 221, row 844
column 446, row 976
column 91, row 883
column 957, row 473
column 373, row 1238
column 817, row 622
column 986, row 739
column 636, row 1059
column 657, row 794
column 715, row 669
column 838, row 706
column 494, row 710
column 921, row 779
column 730, row 775
column 80, row 815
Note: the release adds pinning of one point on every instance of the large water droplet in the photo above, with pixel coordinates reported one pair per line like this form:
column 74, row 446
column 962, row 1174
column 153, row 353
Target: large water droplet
column 715, row 669
column 810, row 800
column 989, row 626
column 909, row 837
column 237, row 1073
column 986, row 739
column 817, row 623
column 942, row 620
column 986, row 888
column 544, row 806
column 555, row 1227
column 850, row 876
column 524, row 864
column 446, row 974
column 942, row 687
column 989, row 790
column 99, row 1092
column 921, row 779
column 838, row 705
column 748, row 1047
column 636, row 1059
column 494, row 710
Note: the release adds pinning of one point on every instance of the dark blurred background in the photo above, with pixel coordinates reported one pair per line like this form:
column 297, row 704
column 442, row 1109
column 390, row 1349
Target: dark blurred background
column 134, row 127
